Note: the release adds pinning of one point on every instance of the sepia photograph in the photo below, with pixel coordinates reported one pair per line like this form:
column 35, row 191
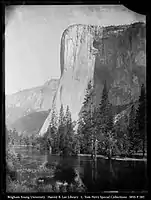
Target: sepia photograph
column 75, row 99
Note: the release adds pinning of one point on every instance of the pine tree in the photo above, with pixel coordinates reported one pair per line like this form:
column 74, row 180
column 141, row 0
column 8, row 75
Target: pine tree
column 141, row 117
column 121, row 135
column 132, row 129
column 104, row 120
column 103, row 110
column 94, row 133
column 69, row 133
column 61, row 130
column 111, row 135
column 80, row 132
column 85, row 120
column 52, row 132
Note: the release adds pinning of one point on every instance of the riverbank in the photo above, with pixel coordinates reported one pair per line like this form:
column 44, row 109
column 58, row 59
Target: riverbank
column 18, row 146
column 72, row 173
column 116, row 158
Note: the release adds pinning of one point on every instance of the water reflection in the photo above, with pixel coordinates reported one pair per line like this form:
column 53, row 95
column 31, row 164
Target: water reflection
column 94, row 170
column 97, row 175
column 100, row 174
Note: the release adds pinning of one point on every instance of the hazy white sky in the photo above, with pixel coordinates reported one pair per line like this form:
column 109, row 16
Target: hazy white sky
column 33, row 34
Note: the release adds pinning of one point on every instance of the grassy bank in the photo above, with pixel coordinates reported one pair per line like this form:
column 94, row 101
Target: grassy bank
column 34, row 182
column 42, row 178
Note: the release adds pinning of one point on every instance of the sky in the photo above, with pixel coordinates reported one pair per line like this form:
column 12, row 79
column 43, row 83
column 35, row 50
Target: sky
column 33, row 35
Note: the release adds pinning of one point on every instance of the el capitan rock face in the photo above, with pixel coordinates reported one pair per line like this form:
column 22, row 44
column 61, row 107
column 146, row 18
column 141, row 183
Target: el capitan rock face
column 116, row 54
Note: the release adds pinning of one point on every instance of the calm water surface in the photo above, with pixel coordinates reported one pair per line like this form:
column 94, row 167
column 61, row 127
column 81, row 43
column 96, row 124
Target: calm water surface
column 102, row 175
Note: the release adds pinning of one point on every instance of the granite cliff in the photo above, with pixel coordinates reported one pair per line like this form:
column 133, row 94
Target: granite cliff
column 116, row 54
column 25, row 107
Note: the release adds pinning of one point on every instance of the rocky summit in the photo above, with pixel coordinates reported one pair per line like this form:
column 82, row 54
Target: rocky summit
column 115, row 54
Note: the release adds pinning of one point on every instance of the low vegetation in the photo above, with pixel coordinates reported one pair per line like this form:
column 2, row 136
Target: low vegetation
column 40, row 184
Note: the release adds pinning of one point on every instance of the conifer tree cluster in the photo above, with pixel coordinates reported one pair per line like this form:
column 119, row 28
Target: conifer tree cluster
column 99, row 134
column 137, row 124
column 60, row 136
column 13, row 138
column 96, row 123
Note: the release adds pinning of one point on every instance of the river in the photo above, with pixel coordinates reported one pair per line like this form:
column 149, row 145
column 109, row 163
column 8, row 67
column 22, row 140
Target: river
column 99, row 175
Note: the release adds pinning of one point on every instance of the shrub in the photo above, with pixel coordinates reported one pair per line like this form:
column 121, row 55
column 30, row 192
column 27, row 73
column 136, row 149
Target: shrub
column 16, row 186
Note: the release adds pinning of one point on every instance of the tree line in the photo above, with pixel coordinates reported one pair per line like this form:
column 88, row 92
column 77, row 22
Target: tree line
column 60, row 136
column 100, row 134
column 97, row 132
column 14, row 139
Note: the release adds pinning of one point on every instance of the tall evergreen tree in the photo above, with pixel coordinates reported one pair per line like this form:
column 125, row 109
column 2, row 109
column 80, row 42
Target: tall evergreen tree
column 121, row 135
column 104, row 120
column 80, row 131
column 52, row 132
column 141, row 117
column 69, row 133
column 103, row 110
column 61, row 130
column 85, row 120
column 68, row 119
column 132, row 130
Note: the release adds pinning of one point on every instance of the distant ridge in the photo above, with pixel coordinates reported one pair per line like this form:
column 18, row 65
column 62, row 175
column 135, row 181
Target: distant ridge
column 32, row 102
